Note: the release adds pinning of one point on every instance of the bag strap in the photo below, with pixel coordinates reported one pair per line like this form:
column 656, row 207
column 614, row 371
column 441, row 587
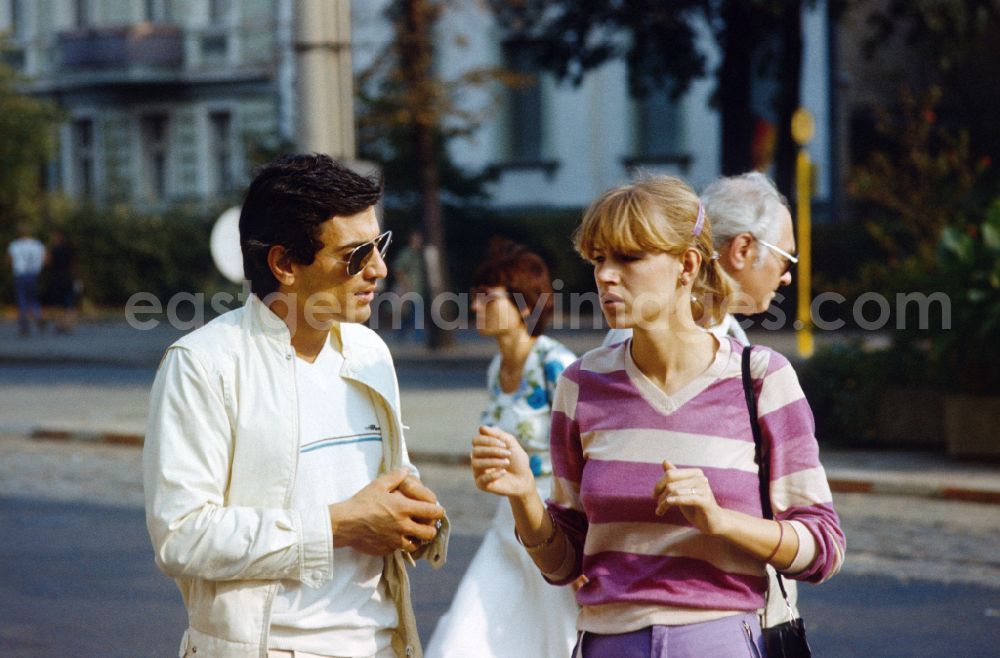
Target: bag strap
column 763, row 469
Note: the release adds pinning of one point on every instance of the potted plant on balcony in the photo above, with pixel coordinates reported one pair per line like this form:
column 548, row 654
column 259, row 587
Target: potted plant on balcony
column 968, row 353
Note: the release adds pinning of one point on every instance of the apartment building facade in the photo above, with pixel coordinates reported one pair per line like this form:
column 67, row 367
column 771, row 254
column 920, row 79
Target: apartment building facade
column 162, row 97
column 165, row 97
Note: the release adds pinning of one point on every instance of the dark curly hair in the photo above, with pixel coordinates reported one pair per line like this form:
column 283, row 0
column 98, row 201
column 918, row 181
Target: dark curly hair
column 525, row 276
column 288, row 201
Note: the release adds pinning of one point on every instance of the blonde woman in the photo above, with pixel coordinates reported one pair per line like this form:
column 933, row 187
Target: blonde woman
column 655, row 499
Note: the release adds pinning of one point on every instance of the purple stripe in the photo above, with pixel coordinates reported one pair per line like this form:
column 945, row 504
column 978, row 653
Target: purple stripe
column 676, row 581
column 790, row 432
column 719, row 410
column 564, row 441
column 824, row 525
column 622, row 491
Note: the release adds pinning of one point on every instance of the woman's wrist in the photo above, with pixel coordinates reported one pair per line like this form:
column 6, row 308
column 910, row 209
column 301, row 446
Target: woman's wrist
column 723, row 523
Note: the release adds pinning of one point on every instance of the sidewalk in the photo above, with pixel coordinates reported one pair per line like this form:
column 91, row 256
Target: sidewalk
column 440, row 419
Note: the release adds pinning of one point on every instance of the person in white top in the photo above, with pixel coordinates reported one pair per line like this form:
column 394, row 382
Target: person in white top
column 26, row 256
column 752, row 226
column 503, row 608
column 279, row 493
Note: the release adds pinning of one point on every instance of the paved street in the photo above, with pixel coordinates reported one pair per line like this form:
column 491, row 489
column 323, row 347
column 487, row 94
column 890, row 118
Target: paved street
column 922, row 577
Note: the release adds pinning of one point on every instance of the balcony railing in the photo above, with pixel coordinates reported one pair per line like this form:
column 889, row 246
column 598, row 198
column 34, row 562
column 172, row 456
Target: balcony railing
column 143, row 46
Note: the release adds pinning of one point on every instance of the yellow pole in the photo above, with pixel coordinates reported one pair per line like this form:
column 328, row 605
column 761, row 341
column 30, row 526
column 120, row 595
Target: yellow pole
column 802, row 132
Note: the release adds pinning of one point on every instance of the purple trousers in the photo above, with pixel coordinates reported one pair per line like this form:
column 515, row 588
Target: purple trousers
column 729, row 637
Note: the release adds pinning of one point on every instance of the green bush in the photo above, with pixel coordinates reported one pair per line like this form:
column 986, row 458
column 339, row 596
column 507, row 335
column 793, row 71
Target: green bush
column 844, row 384
column 120, row 252
column 968, row 354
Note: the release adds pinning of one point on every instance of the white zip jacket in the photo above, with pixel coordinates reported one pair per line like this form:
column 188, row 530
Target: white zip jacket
column 219, row 462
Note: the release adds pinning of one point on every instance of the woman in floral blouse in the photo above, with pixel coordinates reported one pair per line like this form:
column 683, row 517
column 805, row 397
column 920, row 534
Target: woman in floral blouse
column 503, row 607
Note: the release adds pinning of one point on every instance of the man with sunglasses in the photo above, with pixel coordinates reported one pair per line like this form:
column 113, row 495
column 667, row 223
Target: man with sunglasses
column 752, row 231
column 279, row 493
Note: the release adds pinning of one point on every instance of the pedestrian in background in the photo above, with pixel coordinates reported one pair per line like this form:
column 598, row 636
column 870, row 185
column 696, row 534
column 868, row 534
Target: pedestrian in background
column 62, row 282
column 409, row 273
column 26, row 256
column 279, row 493
column 503, row 608
column 656, row 499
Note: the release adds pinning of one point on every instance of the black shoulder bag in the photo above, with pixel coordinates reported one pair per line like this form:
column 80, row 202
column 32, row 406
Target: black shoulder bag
column 788, row 639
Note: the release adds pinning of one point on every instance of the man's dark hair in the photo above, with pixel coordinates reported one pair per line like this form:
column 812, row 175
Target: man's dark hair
column 287, row 202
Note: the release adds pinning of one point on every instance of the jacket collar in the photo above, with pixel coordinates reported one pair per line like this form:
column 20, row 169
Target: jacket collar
column 363, row 360
column 263, row 321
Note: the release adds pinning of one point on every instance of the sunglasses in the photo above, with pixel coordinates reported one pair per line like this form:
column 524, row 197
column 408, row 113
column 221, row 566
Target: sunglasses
column 358, row 258
column 788, row 259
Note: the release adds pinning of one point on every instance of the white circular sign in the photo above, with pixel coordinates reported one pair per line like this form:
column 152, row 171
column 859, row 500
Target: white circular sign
column 225, row 245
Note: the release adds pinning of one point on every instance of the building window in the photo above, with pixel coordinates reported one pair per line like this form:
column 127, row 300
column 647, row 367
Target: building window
column 218, row 12
column 17, row 19
column 83, row 13
column 221, row 154
column 82, row 136
column 153, row 132
column 658, row 126
column 157, row 11
column 524, row 103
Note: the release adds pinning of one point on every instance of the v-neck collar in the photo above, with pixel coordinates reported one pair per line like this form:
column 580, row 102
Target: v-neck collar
column 669, row 403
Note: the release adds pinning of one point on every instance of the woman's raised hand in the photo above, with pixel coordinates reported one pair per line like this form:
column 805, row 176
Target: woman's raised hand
column 499, row 464
column 690, row 491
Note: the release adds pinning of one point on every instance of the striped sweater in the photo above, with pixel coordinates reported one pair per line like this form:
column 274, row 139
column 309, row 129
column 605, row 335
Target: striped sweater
column 611, row 430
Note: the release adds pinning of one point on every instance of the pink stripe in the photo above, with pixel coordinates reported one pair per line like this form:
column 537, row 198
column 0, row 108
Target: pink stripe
column 824, row 524
column 567, row 457
column 620, row 491
column 790, row 432
column 676, row 581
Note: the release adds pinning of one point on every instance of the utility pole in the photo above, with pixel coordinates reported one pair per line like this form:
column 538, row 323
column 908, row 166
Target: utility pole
column 803, row 127
column 325, row 86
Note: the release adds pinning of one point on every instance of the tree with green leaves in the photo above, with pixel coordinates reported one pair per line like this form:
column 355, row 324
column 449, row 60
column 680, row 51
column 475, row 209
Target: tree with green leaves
column 660, row 43
column 407, row 114
column 27, row 137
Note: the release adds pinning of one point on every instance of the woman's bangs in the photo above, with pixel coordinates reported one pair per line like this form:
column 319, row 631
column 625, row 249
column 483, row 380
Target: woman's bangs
column 618, row 224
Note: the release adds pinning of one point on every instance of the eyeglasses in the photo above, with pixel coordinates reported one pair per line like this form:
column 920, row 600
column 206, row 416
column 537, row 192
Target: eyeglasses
column 358, row 258
column 789, row 259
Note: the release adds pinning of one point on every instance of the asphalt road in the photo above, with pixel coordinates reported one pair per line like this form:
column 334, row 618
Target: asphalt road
column 77, row 577
column 78, row 580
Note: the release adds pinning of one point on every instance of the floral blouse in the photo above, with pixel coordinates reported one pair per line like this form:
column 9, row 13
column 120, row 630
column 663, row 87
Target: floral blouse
column 526, row 413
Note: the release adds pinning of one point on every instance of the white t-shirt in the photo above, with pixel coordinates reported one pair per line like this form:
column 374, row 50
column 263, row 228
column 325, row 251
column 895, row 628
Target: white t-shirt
column 340, row 451
column 27, row 256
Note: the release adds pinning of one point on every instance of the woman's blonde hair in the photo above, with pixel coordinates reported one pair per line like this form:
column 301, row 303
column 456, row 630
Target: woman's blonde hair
column 657, row 214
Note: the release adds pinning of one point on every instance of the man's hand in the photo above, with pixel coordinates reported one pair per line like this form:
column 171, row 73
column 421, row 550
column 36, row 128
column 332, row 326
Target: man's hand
column 395, row 511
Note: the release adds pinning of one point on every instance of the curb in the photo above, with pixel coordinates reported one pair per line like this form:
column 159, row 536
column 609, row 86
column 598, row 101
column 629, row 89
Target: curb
column 108, row 438
column 943, row 492
column 837, row 484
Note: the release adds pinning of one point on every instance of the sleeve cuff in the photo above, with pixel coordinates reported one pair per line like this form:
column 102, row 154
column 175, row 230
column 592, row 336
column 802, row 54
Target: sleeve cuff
column 564, row 571
column 316, row 546
column 807, row 549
